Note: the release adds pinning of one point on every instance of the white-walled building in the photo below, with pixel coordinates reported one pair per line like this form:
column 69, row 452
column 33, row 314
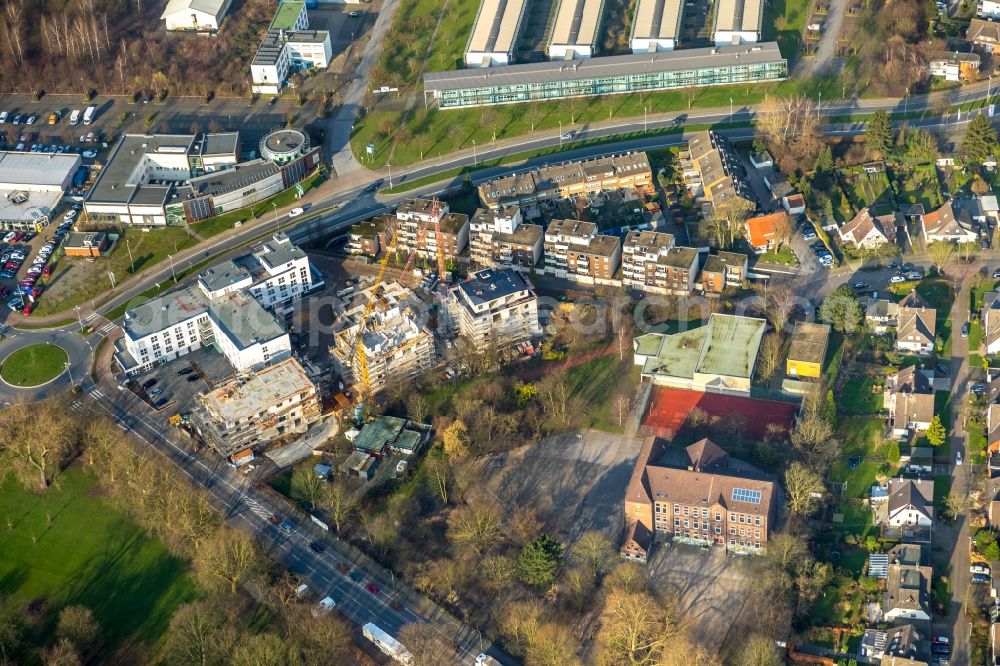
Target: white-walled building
column 575, row 30
column 656, row 25
column 500, row 238
column 494, row 33
column 988, row 9
column 232, row 307
column 495, row 307
column 284, row 52
column 737, row 22
column 198, row 15
column 31, row 186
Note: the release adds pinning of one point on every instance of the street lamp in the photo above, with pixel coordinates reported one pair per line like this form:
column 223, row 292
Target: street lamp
column 389, row 166
column 730, row 111
column 68, row 372
column 819, row 105
column 274, row 207
column 392, row 577
column 475, row 159
column 560, row 134
column 171, row 258
column 130, row 259
column 906, row 99
column 78, row 319
column 644, row 121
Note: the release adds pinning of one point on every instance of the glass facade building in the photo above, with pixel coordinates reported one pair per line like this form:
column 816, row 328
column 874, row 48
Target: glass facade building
column 609, row 75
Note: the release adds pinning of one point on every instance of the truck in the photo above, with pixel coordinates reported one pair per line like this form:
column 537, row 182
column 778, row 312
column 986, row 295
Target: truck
column 387, row 644
column 88, row 115
column 323, row 607
column 74, row 118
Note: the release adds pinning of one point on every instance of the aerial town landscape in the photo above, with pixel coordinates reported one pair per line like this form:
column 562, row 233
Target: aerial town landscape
column 497, row 332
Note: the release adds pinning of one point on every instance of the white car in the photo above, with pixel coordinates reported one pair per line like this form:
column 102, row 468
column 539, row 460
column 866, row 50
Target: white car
column 89, row 154
column 295, row 212
column 70, row 214
column 980, row 569
column 896, row 279
column 958, row 458
column 323, row 607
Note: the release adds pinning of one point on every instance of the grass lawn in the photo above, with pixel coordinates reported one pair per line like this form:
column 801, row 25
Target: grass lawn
column 34, row 365
column 834, row 355
column 216, row 225
column 796, row 12
column 942, row 488
column 75, row 281
column 412, row 37
column 871, row 190
column 942, row 408
column 857, row 396
column 784, row 256
column 918, row 185
column 90, row 554
column 598, row 382
column 857, row 435
column 857, row 520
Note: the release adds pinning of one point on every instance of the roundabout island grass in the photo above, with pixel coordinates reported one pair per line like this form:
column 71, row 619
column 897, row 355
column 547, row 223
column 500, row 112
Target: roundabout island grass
column 33, row 365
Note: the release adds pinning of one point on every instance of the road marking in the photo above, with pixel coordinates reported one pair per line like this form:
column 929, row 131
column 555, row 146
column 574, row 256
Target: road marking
column 108, row 328
column 91, row 316
column 96, row 392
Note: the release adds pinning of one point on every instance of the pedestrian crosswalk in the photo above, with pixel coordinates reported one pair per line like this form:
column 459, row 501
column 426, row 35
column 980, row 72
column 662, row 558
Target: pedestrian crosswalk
column 95, row 392
column 258, row 509
column 91, row 317
column 106, row 329
column 76, row 406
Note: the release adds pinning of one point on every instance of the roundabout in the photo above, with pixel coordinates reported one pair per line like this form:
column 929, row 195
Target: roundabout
column 34, row 365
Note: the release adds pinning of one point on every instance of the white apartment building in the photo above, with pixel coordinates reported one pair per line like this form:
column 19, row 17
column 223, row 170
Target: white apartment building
column 494, row 307
column 397, row 343
column 500, row 238
column 283, row 52
column 231, row 307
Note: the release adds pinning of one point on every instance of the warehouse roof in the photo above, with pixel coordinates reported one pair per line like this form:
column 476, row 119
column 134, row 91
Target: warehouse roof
column 213, row 7
column 37, row 169
column 657, row 19
column 114, row 184
column 577, row 22
column 809, row 342
column 604, row 67
column 495, row 29
column 739, row 15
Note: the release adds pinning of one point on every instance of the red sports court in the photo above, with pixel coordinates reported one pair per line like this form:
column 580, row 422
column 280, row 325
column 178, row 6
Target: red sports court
column 669, row 407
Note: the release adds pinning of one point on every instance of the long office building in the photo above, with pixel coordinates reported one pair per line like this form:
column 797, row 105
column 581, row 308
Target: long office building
column 611, row 75
column 574, row 33
column 494, row 33
column 657, row 25
column 738, row 22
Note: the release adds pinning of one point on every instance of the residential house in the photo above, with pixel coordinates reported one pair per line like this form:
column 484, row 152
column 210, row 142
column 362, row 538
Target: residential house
column 196, row 15
column 765, row 232
column 988, row 9
column 948, row 223
column 368, row 238
column 697, row 495
column 807, row 350
column 653, row 264
column 909, row 554
column 984, row 35
column 916, row 325
column 574, row 251
column 626, row 171
column 955, row 66
column 719, row 356
column 907, row 594
column 869, row 231
column 494, row 307
column 904, row 641
column 911, row 504
column 909, row 398
column 881, row 315
column 499, row 238
column 388, row 434
column 724, row 269
column 794, row 204
column 778, row 184
column 716, row 172
column 417, row 229
column 990, row 316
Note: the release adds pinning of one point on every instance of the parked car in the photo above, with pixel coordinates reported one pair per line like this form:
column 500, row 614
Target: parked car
column 193, row 378
column 958, row 457
column 372, row 587
column 915, row 275
column 996, row 274
column 861, row 286
column 317, row 547
column 150, row 383
column 295, row 212
column 980, row 579
column 896, row 279
column 979, row 388
column 942, row 369
column 979, row 569
column 185, row 371
column 354, row 14
column 808, row 233
column 356, row 576
column 153, row 392
column 286, row 527
column 965, row 330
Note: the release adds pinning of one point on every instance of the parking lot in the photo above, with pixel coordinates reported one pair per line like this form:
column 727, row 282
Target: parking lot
column 174, row 385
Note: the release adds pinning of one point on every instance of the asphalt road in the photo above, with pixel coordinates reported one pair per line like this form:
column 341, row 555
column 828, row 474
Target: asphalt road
column 247, row 508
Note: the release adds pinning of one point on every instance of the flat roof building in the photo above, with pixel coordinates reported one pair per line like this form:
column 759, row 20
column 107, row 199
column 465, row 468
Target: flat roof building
column 808, row 349
column 31, row 186
column 195, row 15
column 284, row 52
column 737, row 22
column 494, row 307
column 609, row 75
column 656, row 25
column 494, row 33
column 575, row 30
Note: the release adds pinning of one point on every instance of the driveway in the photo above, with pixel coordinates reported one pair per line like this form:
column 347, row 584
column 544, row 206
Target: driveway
column 822, row 62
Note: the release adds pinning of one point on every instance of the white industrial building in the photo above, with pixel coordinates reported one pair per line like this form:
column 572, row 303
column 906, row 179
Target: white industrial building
column 494, row 33
column 575, row 30
column 31, row 187
column 656, row 25
column 139, row 178
column 988, row 9
column 284, row 52
column 221, row 310
column 198, row 15
column 737, row 22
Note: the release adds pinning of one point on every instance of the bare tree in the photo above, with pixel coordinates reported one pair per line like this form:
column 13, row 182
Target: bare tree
column 416, row 405
column 635, row 628
column 620, row 407
column 32, row 448
column 498, row 572
column 804, row 488
column 784, row 549
column 554, row 645
column 438, row 471
column 941, row 253
column 524, row 524
column 339, row 502
column 594, row 551
column 229, row 559
column 426, row 643
column 307, row 487
column 772, row 351
column 78, row 626
column 475, row 526
column 757, row 650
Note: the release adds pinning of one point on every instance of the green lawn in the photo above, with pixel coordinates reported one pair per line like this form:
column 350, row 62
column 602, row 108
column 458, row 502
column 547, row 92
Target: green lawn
column 858, row 397
column 75, row 281
column 219, row 223
column 857, row 520
column 918, row 184
column 871, row 190
column 977, row 441
column 942, row 488
column 857, row 436
column 598, row 382
column 796, row 12
column 34, row 365
column 785, row 256
column 90, row 554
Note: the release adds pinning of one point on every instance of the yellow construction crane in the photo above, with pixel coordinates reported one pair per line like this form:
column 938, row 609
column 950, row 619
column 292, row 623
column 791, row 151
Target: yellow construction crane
column 439, row 240
column 358, row 344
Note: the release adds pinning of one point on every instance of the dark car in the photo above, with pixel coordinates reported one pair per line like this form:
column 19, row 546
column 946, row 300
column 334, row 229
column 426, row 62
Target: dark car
column 965, row 330
column 150, row 383
column 161, row 403
column 286, row 527
column 996, row 274
column 271, row 101
column 979, row 388
column 860, row 286
column 193, row 378
column 374, row 186
column 185, row 371
column 679, row 120
column 943, row 369
column 356, row 576
column 317, row 547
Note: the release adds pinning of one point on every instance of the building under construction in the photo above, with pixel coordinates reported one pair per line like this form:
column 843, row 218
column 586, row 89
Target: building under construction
column 396, row 341
column 255, row 409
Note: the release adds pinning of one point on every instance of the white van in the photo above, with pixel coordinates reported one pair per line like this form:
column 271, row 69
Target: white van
column 3, row 117
column 74, row 118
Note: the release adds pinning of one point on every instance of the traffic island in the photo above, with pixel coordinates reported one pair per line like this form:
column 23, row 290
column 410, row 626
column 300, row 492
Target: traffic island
column 34, row 365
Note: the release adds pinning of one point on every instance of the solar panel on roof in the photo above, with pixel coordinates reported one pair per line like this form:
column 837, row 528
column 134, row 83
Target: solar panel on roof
column 744, row 495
